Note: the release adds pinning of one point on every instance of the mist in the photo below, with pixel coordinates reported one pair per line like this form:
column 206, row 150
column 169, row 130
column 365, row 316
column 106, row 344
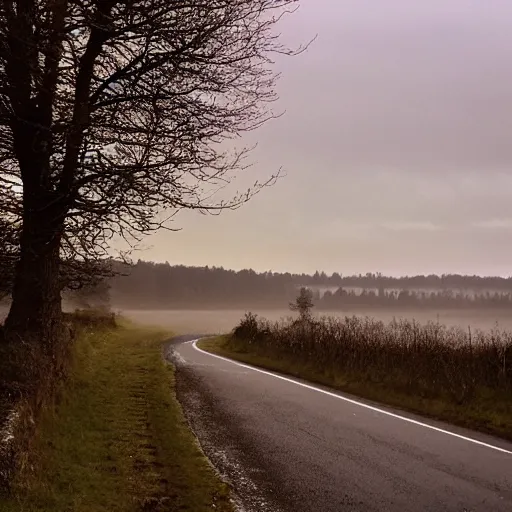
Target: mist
column 211, row 300
column 223, row 321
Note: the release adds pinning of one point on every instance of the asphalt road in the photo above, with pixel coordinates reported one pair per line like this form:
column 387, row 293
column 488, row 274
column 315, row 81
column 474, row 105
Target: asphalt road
column 288, row 446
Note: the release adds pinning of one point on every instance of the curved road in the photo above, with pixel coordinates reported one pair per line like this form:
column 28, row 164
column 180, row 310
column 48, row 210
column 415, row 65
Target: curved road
column 289, row 446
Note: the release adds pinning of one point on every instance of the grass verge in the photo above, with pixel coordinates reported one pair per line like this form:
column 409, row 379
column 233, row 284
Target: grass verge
column 484, row 415
column 117, row 440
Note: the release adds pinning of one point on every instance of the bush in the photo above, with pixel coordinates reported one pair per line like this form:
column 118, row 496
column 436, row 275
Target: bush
column 249, row 328
column 98, row 317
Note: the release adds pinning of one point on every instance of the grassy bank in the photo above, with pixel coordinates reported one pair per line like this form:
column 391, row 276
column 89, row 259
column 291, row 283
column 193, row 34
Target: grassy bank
column 386, row 370
column 117, row 440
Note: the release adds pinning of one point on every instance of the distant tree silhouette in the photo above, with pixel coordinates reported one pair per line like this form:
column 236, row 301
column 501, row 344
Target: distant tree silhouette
column 161, row 285
column 303, row 304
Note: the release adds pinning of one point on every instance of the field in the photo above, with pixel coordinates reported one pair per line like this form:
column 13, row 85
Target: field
column 222, row 321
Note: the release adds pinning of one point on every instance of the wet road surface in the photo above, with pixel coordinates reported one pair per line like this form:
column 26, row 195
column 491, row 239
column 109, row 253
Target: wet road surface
column 288, row 446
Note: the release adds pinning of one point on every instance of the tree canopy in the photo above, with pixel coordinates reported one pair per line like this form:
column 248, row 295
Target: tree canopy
column 116, row 114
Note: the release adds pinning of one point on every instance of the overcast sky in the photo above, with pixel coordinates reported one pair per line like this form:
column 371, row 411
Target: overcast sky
column 397, row 142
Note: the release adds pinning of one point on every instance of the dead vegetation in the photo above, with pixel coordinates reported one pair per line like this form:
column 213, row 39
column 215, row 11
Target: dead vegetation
column 451, row 373
column 30, row 375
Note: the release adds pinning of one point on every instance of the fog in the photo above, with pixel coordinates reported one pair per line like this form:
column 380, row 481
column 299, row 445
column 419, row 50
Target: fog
column 222, row 321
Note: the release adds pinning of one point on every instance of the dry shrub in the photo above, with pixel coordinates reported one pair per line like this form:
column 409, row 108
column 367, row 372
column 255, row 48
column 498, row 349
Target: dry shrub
column 431, row 360
column 29, row 376
column 249, row 328
column 91, row 318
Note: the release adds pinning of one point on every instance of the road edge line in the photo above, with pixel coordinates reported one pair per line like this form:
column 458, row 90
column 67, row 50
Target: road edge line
column 350, row 400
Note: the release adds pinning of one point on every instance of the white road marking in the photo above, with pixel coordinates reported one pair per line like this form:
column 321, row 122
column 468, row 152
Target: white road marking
column 351, row 401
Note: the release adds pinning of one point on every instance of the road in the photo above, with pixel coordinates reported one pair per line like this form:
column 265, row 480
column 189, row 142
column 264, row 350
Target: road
column 288, row 446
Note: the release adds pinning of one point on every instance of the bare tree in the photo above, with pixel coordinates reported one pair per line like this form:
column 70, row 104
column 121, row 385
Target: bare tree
column 9, row 243
column 82, row 265
column 112, row 112
column 303, row 304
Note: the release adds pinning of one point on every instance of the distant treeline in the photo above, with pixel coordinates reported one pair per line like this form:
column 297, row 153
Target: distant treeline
column 161, row 285
column 441, row 299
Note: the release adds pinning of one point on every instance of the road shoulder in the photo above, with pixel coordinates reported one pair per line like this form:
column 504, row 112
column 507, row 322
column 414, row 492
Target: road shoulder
column 117, row 440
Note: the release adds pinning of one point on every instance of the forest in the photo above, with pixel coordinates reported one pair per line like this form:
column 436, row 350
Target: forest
column 150, row 285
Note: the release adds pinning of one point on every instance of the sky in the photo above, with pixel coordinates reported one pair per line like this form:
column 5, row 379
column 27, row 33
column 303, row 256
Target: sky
column 396, row 142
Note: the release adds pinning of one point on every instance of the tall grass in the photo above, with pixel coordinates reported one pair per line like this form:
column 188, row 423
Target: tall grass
column 429, row 361
column 115, row 440
column 31, row 375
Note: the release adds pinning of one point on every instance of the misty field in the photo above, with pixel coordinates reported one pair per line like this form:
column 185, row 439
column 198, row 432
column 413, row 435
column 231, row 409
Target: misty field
column 223, row 321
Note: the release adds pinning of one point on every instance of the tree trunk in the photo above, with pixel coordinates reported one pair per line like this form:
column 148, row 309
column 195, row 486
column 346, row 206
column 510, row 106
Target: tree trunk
column 35, row 313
